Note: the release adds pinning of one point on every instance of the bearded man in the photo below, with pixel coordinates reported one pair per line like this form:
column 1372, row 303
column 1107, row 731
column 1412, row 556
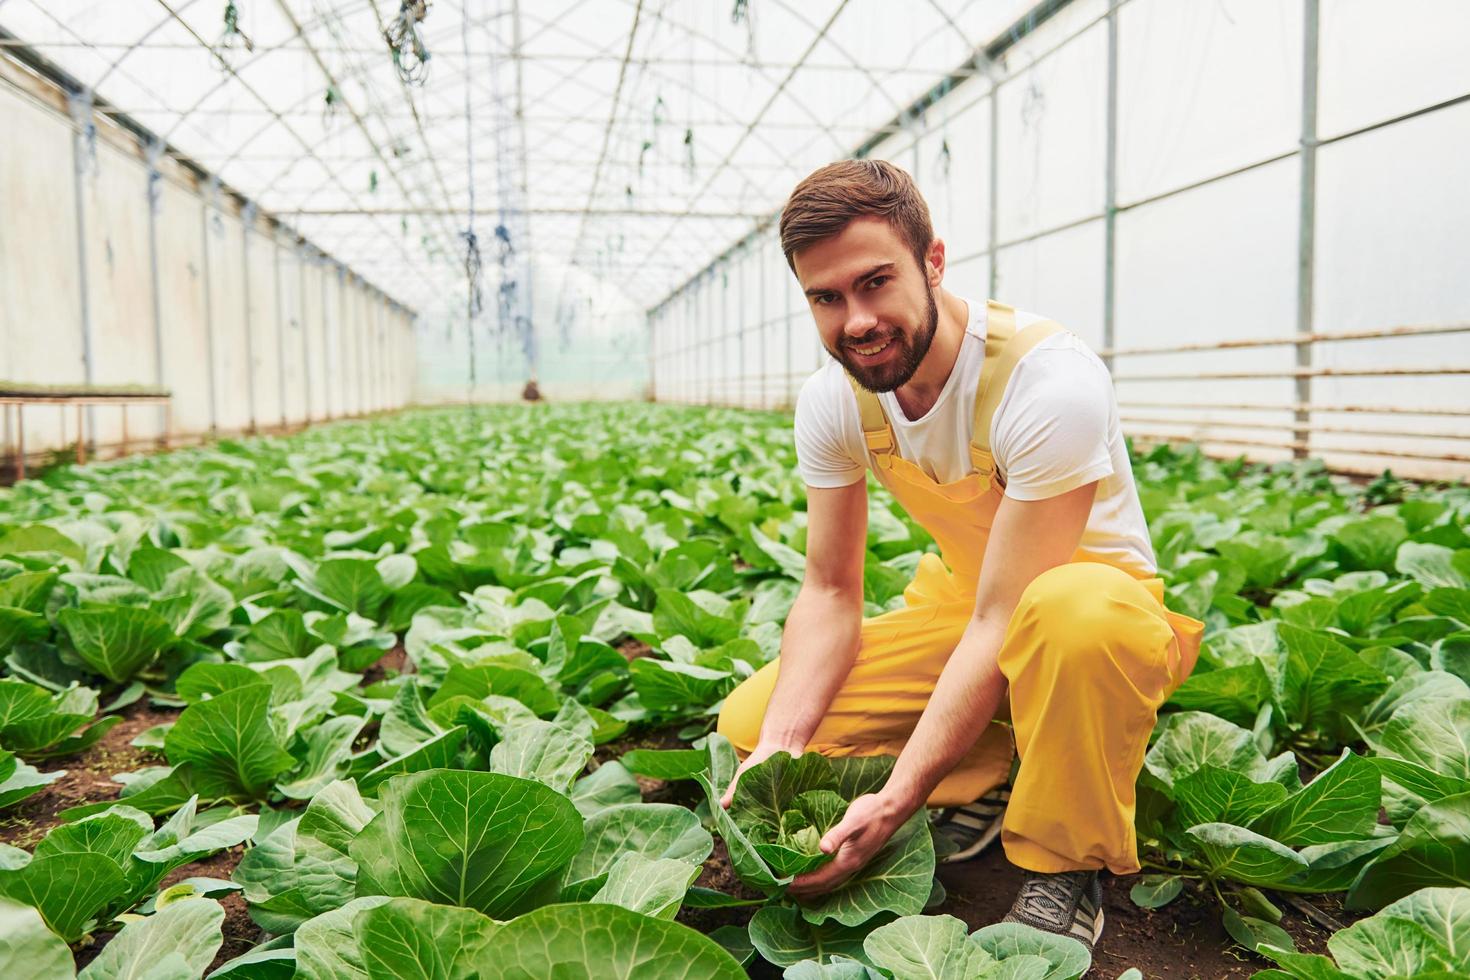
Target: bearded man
column 998, row 432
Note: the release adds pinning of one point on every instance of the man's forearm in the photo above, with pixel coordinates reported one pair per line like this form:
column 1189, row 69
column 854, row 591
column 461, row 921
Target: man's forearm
column 818, row 648
column 965, row 700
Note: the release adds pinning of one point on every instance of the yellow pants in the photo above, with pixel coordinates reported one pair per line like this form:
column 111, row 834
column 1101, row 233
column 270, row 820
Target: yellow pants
column 1089, row 656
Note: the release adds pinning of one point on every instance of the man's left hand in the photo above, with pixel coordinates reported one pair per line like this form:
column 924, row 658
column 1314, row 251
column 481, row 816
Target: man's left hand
column 861, row 833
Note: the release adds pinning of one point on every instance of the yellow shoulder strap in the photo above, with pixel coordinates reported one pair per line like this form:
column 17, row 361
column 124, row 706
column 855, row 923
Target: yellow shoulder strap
column 1004, row 348
column 876, row 431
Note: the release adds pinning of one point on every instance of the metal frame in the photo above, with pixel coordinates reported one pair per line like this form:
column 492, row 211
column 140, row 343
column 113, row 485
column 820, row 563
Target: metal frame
column 1303, row 338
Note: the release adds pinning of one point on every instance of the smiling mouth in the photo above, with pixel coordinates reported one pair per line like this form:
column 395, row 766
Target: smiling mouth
column 871, row 351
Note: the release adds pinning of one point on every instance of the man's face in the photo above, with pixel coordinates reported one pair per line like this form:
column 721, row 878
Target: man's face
column 874, row 306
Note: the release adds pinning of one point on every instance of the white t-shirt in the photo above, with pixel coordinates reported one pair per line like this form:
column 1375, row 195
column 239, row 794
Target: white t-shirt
column 1055, row 429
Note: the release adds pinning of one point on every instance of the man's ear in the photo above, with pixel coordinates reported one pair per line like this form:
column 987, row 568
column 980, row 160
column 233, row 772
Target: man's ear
column 934, row 263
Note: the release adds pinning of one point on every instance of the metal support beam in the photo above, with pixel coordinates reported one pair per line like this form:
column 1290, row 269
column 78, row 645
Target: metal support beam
column 154, row 152
column 204, row 206
column 740, row 372
column 652, row 357
column 994, row 223
column 1110, row 192
column 280, row 330
column 764, row 307
column 327, row 353
column 305, row 340
column 602, row 212
column 247, row 218
column 83, row 134
column 790, row 356
column 1307, row 224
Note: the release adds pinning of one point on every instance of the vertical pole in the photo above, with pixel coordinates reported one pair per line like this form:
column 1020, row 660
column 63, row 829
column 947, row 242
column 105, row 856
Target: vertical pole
column 790, row 355
column 81, row 434
column 326, row 353
column 80, row 105
column 1110, row 192
column 652, row 359
column 280, row 327
column 305, row 341
column 155, row 200
column 20, row 441
column 994, row 222
column 208, row 316
column 1307, row 227
column 710, row 396
column 247, row 219
column 360, row 341
column 765, row 315
column 741, row 327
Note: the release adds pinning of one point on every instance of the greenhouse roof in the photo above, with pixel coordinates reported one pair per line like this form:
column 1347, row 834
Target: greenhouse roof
column 635, row 139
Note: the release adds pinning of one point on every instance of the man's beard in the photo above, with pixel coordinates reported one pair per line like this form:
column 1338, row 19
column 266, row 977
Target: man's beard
column 896, row 372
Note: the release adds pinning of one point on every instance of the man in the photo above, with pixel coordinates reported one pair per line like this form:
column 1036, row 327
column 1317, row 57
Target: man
column 999, row 433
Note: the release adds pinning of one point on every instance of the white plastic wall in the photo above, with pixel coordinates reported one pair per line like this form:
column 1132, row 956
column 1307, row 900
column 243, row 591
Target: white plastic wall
column 254, row 330
column 1208, row 224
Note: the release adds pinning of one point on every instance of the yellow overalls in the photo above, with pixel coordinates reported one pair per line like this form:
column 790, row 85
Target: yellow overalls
column 1090, row 654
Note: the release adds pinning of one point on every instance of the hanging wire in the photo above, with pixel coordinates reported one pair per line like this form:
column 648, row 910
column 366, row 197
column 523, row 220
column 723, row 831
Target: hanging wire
column 232, row 39
column 741, row 14
column 473, row 266
column 406, row 41
column 331, row 107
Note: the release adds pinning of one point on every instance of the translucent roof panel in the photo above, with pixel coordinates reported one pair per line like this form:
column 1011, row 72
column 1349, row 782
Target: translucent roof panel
column 633, row 139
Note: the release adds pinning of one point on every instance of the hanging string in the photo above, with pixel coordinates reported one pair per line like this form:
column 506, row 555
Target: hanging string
column 232, row 38
column 472, row 264
column 406, row 42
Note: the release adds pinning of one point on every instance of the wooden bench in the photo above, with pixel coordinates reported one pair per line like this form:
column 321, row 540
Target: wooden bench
column 81, row 396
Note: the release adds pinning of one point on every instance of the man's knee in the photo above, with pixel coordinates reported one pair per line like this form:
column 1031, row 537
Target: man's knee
column 1072, row 610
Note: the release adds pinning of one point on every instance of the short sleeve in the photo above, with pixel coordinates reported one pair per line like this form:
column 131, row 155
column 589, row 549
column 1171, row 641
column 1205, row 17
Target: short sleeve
column 825, row 453
column 1050, row 432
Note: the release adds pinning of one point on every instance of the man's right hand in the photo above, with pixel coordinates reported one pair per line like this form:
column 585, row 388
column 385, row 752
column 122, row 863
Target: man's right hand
column 762, row 752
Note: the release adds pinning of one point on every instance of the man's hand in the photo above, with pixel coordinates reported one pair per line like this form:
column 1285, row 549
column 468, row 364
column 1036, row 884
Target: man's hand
column 861, row 833
column 762, row 752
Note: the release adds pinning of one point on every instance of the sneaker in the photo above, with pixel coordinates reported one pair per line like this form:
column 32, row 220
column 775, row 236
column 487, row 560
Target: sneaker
column 1068, row 903
column 971, row 828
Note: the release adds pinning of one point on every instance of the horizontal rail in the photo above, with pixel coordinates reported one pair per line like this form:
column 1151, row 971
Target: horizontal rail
column 1302, row 407
column 1291, row 427
column 1297, row 340
column 87, row 400
column 1326, row 372
column 1303, row 447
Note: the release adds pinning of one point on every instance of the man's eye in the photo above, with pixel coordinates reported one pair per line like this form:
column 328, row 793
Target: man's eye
column 823, row 300
column 877, row 281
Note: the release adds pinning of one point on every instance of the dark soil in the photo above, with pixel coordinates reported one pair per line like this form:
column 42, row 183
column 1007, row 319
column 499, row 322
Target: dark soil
column 88, row 776
column 240, row 933
column 88, row 779
column 389, row 664
column 1183, row 940
column 633, row 649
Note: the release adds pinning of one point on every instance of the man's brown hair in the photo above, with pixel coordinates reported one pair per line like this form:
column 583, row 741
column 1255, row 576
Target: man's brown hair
column 824, row 203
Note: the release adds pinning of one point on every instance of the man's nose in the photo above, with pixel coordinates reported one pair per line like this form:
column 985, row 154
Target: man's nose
column 860, row 321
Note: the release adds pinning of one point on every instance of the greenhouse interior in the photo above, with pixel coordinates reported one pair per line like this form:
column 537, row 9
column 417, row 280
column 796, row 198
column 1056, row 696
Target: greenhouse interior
column 735, row 488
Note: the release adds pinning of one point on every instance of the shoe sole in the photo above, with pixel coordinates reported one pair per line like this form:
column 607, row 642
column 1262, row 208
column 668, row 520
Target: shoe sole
column 984, row 841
